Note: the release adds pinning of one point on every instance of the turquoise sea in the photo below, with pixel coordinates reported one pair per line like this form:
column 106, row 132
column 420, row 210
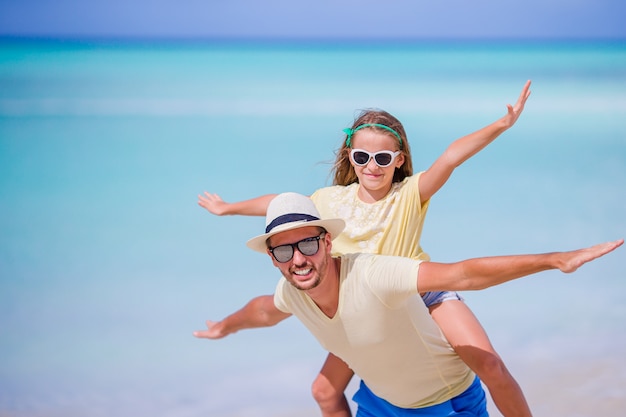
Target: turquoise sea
column 107, row 264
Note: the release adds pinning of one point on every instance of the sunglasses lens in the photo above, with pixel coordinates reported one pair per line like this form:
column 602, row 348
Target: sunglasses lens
column 309, row 247
column 283, row 253
column 360, row 158
column 383, row 159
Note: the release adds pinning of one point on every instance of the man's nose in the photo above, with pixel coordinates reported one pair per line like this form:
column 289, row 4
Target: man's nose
column 298, row 257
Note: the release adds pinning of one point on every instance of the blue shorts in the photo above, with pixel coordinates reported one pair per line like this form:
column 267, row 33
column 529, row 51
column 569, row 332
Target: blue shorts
column 471, row 403
column 436, row 297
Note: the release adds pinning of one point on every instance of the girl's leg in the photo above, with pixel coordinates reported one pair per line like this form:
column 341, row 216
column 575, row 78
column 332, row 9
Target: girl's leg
column 329, row 386
column 471, row 343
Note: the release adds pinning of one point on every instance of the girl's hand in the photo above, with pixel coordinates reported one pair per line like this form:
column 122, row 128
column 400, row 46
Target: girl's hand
column 514, row 112
column 213, row 203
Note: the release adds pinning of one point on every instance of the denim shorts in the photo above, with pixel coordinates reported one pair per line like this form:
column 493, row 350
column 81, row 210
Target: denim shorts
column 471, row 403
column 436, row 297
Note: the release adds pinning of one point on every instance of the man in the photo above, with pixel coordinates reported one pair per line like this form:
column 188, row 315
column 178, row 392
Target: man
column 363, row 308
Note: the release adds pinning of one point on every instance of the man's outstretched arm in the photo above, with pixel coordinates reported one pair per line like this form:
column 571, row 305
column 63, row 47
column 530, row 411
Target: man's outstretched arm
column 480, row 273
column 259, row 312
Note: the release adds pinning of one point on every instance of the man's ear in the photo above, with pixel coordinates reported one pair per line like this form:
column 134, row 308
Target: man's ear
column 267, row 250
column 328, row 239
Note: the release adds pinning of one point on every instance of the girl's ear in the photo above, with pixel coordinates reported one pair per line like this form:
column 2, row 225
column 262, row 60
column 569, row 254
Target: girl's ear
column 399, row 160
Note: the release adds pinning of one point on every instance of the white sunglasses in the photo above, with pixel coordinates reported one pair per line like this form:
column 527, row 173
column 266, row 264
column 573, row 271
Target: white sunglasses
column 382, row 158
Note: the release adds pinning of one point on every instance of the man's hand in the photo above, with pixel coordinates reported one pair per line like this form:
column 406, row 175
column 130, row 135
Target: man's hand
column 571, row 261
column 214, row 331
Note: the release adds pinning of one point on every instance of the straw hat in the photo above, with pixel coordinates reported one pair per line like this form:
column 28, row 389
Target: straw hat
column 290, row 211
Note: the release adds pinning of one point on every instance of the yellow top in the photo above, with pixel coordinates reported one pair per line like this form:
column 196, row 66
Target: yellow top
column 390, row 226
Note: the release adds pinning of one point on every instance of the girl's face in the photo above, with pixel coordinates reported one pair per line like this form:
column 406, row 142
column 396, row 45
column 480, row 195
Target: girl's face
column 375, row 181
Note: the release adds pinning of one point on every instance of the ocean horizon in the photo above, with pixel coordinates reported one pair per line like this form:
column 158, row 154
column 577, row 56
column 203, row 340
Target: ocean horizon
column 107, row 263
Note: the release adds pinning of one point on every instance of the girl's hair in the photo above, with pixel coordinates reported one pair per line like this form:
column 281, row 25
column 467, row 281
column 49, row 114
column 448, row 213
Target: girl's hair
column 343, row 172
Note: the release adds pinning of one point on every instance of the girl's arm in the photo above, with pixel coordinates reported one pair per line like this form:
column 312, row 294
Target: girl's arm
column 464, row 148
column 253, row 207
column 259, row 312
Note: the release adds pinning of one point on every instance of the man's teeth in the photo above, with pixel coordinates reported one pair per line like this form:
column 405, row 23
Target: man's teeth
column 302, row 271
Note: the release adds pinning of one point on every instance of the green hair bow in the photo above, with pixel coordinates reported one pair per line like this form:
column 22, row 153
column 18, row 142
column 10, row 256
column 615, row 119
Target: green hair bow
column 350, row 132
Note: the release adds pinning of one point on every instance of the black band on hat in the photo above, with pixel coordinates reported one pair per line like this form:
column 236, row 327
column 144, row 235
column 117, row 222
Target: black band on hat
column 289, row 218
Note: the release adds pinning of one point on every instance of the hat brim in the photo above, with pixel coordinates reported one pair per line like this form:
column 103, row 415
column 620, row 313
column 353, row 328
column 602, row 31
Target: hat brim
column 332, row 226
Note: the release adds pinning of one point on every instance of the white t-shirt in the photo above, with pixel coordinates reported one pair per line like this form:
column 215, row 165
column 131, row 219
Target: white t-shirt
column 383, row 332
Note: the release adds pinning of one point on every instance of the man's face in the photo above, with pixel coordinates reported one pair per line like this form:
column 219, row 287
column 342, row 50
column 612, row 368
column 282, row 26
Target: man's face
column 304, row 272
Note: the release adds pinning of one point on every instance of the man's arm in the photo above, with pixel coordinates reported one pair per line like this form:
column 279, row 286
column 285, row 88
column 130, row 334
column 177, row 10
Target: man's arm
column 259, row 312
column 480, row 273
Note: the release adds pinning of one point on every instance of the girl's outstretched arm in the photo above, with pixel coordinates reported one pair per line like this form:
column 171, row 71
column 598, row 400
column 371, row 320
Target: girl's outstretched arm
column 253, row 207
column 464, row 148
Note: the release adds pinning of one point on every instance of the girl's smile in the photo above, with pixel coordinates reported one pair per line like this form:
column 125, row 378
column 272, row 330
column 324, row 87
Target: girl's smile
column 374, row 180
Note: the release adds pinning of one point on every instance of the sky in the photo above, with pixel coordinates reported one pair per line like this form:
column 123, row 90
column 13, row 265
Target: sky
column 321, row 19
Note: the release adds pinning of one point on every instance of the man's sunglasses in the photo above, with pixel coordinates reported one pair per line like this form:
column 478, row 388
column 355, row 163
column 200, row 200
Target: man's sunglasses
column 382, row 158
column 307, row 247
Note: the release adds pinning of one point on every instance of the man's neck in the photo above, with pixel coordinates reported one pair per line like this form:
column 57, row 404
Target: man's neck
column 326, row 295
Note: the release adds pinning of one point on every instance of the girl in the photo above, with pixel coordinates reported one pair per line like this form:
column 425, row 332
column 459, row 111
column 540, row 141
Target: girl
column 384, row 205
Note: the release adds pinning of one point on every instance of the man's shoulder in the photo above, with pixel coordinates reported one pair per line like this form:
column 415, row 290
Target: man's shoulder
column 391, row 278
column 359, row 261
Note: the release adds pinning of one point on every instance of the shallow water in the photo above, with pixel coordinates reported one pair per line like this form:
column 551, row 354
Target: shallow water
column 107, row 264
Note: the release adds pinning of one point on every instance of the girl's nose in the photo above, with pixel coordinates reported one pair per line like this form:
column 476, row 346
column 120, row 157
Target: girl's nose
column 372, row 165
